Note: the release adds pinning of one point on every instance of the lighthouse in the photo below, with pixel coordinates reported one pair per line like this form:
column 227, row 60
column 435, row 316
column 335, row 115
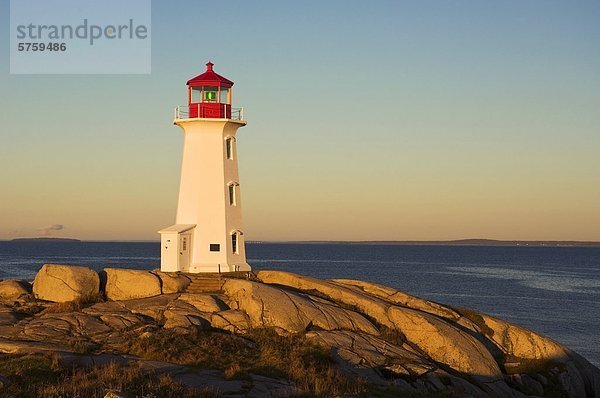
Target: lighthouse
column 208, row 235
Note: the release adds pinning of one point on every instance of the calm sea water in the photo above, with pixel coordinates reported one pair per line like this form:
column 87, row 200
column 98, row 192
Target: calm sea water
column 552, row 290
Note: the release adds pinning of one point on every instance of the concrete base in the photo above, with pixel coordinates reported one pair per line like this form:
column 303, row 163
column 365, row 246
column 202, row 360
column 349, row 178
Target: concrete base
column 217, row 268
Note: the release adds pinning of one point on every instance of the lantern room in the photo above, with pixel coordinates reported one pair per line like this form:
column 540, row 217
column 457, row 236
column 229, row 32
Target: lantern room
column 209, row 95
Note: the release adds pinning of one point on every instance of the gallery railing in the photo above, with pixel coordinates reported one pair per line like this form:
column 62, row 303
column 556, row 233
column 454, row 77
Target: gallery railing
column 208, row 111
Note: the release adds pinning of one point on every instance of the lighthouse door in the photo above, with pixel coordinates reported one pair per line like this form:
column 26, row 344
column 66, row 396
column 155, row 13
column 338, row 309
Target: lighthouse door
column 184, row 252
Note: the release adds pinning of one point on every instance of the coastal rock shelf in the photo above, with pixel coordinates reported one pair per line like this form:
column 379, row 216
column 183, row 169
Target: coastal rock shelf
column 380, row 338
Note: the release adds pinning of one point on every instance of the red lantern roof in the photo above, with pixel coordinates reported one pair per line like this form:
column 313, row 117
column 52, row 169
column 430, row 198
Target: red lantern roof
column 209, row 78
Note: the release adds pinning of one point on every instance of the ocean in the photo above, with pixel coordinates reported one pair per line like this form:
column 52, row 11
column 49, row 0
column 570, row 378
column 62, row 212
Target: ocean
column 552, row 290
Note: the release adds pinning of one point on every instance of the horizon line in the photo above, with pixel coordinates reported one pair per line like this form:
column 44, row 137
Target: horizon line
column 465, row 241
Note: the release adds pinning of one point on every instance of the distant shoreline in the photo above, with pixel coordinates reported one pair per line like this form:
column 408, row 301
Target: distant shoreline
column 460, row 242
column 45, row 240
column 457, row 242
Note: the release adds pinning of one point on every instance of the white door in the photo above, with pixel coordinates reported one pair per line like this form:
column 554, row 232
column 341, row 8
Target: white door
column 184, row 252
column 169, row 255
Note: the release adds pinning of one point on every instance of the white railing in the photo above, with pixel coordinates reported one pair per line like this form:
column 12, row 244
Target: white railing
column 183, row 112
column 237, row 113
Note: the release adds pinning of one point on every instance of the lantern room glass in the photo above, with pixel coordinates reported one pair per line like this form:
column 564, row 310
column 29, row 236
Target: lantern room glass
column 209, row 93
column 224, row 95
column 196, row 95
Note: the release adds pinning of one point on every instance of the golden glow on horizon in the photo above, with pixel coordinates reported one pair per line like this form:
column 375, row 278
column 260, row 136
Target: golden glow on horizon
column 389, row 200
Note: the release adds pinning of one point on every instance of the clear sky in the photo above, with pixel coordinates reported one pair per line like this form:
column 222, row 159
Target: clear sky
column 367, row 120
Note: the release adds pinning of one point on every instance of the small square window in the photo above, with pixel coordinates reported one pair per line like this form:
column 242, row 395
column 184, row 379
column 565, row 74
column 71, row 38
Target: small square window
column 215, row 247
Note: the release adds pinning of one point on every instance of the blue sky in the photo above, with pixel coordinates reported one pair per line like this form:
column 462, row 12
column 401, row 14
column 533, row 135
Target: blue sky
column 366, row 120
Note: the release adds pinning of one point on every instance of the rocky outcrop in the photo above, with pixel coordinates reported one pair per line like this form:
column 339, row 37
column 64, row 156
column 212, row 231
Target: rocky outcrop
column 60, row 327
column 401, row 298
column 375, row 307
column 204, row 302
column 440, row 340
column 370, row 352
column 150, row 307
column 520, row 342
column 387, row 338
column 477, row 347
column 231, row 320
column 127, row 284
column 116, row 316
column 446, row 343
column 578, row 377
column 292, row 312
column 184, row 318
column 12, row 290
column 61, row 283
column 172, row 282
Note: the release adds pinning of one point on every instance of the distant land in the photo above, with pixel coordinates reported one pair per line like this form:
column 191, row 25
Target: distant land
column 458, row 242
column 45, row 240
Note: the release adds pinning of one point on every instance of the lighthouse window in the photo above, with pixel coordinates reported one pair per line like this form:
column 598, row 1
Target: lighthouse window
column 196, row 94
column 224, row 99
column 210, row 94
column 233, row 194
column 234, row 242
column 229, row 147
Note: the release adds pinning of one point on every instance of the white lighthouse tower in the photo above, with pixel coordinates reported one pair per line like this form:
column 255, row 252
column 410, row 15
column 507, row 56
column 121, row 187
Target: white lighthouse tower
column 208, row 235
